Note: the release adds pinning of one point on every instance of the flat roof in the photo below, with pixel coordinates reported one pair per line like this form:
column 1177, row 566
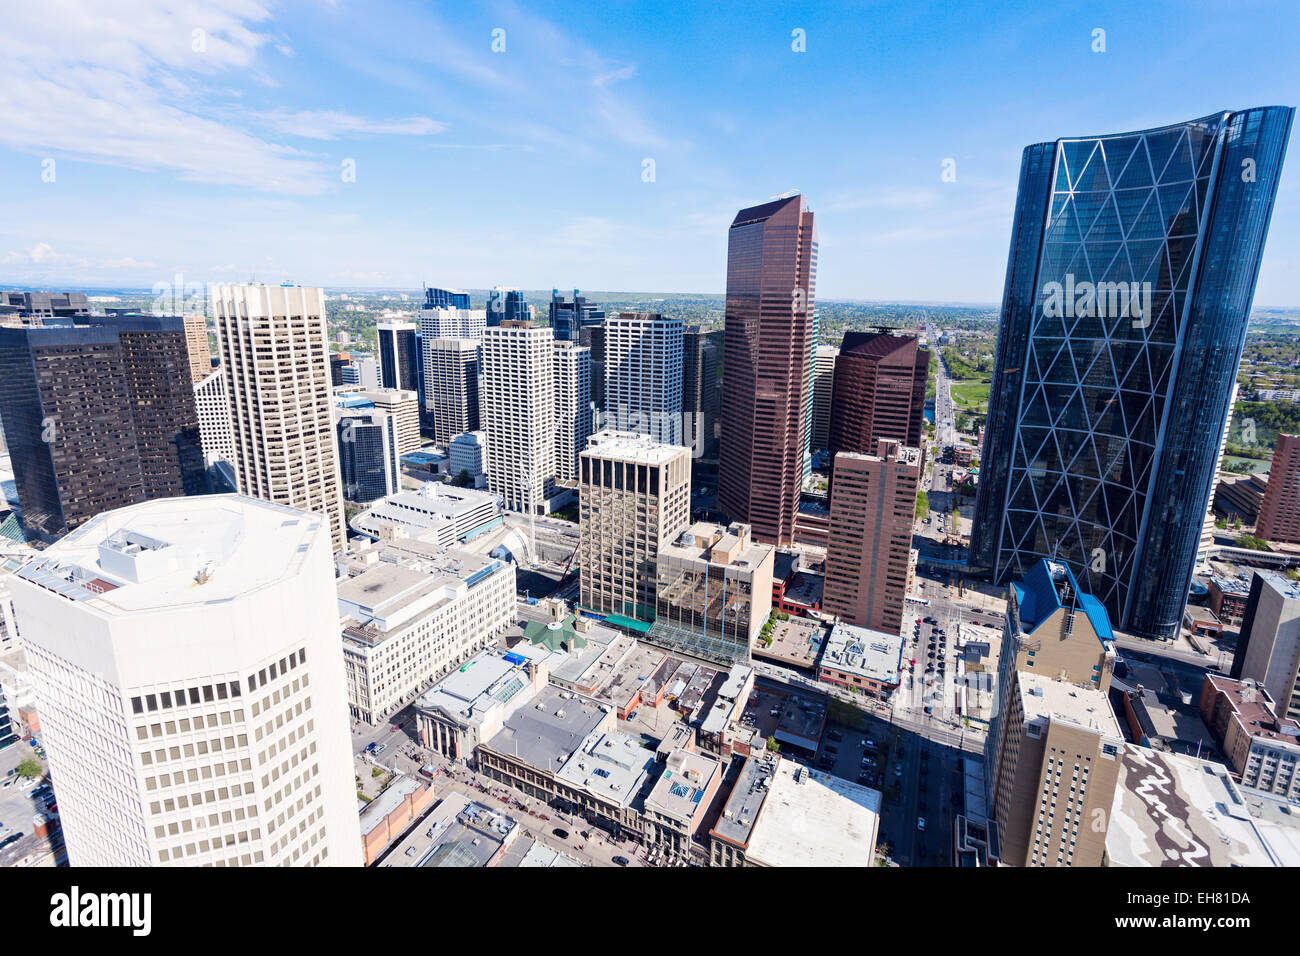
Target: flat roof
column 546, row 733
column 474, row 687
column 633, row 447
column 176, row 552
column 1174, row 810
column 864, row 652
column 812, row 818
column 682, row 787
column 1056, row 700
column 610, row 765
column 736, row 823
column 388, row 801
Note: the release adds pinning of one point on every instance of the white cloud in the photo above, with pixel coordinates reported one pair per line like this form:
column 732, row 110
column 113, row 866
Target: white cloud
column 330, row 124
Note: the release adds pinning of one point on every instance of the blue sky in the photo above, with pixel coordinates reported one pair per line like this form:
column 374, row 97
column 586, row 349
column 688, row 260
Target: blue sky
column 220, row 155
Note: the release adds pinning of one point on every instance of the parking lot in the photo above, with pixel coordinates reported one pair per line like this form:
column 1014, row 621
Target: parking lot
column 20, row 800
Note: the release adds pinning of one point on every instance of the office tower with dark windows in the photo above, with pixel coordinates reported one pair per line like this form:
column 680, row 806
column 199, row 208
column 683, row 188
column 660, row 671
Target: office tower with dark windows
column 1268, row 650
column 271, row 340
column 339, row 362
column 446, row 299
column 768, row 340
column 869, row 563
column 369, row 466
column 1128, row 288
column 45, row 305
column 573, row 413
column 98, row 416
column 643, row 374
column 878, row 392
column 399, row 355
column 593, row 337
column 506, row 305
column 451, row 382
column 569, row 318
column 701, row 391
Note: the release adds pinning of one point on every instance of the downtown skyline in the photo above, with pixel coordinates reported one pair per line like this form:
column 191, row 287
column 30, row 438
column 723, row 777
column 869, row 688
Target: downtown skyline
column 541, row 183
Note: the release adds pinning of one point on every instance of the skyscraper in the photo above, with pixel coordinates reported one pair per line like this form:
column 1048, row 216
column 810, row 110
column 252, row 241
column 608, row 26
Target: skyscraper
column 399, row 355
column 878, row 392
column 1268, row 650
column 1279, row 515
column 506, row 305
column 519, row 414
column 573, row 414
column 213, row 407
column 869, row 565
column 823, row 393
column 196, row 343
column 369, row 467
column 446, row 314
column 634, row 498
column 451, row 384
column 271, row 340
column 98, row 416
column 701, row 391
column 398, row 402
column 771, row 274
column 593, row 337
column 569, row 318
column 643, row 374
column 1129, row 284
column 190, row 686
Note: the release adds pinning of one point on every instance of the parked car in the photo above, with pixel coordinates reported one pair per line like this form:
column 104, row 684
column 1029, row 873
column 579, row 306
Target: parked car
column 621, row 860
column 379, row 749
column 561, row 833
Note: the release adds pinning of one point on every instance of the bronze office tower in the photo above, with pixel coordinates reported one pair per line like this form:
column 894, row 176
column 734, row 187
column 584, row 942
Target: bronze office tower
column 767, row 348
column 879, row 392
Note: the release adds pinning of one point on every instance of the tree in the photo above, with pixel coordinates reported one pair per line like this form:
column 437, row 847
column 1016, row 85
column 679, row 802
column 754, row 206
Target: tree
column 922, row 505
column 30, row 768
column 463, row 480
column 1250, row 541
column 773, row 745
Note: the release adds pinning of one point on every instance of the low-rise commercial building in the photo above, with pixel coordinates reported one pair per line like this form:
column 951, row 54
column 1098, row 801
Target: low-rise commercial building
column 677, row 804
column 387, row 816
column 1228, row 598
column 1261, row 747
column 862, row 660
column 436, row 512
column 409, row 615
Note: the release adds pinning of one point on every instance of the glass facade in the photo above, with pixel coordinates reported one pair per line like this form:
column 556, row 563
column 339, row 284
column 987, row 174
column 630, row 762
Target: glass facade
column 1129, row 283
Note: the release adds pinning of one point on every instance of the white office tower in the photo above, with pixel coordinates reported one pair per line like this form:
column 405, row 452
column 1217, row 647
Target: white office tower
column 447, row 323
column 190, row 686
column 451, row 386
column 271, row 340
column 519, row 414
column 573, row 412
column 213, row 405
column 643, row 375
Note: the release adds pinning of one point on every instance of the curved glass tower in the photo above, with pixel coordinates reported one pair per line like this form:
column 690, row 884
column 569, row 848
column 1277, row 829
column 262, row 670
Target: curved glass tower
column 1129, row 284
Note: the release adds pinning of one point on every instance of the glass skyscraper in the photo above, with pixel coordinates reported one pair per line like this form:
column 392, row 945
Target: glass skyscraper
column 1129, row 284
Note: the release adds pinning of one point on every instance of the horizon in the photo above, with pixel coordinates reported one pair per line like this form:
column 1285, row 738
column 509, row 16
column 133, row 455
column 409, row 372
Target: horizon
column 374, row 146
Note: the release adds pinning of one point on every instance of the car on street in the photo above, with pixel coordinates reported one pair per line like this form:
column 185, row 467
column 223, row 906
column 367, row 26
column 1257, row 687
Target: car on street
column 379, row 748
column 621, row 860
column 561, row 833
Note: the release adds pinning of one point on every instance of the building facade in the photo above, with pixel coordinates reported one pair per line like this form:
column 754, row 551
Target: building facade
column 212, row 405
column 573, row 411
column 451, row 383
column 1129, row 284
column 643, row 375
column 179, row 734
column 399, row 355
column 878, row 392
column 634, row 498
column 519, row 414
column 823, row 395
column 272, row 344
column 869, row 560
column 701, row 391
column 1279, row 513
column 768, row 342
column 1268, row 650
column 368, row 457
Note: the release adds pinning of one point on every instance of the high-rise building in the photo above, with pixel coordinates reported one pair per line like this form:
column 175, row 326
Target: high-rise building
column 879, row 391
column 519, row 414
column 451, row 383
column 701, row 391
column 339, row 361
column 98, row 416
column 1129, row 284
column 1268, row 650
column 634, row 497
column 569, row 318
column 196, row 345
column 369, row 462
column 593, row 337
column 399, row 355
column 46, row 305
column 1052, row 751
column 271, row 340
column 190, row 686
column 213, row 407
column 823, row 394
column 447, row 315
column 643, row 374
column 1279, row 515
column 466, row 454
column 771, row 275
column 869, row 565
column 506, row 305
column 573, row 413
column 398, row 402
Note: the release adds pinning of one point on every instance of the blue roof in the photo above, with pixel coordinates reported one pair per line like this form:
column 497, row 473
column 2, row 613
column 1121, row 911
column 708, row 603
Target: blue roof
column 1037, row 598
